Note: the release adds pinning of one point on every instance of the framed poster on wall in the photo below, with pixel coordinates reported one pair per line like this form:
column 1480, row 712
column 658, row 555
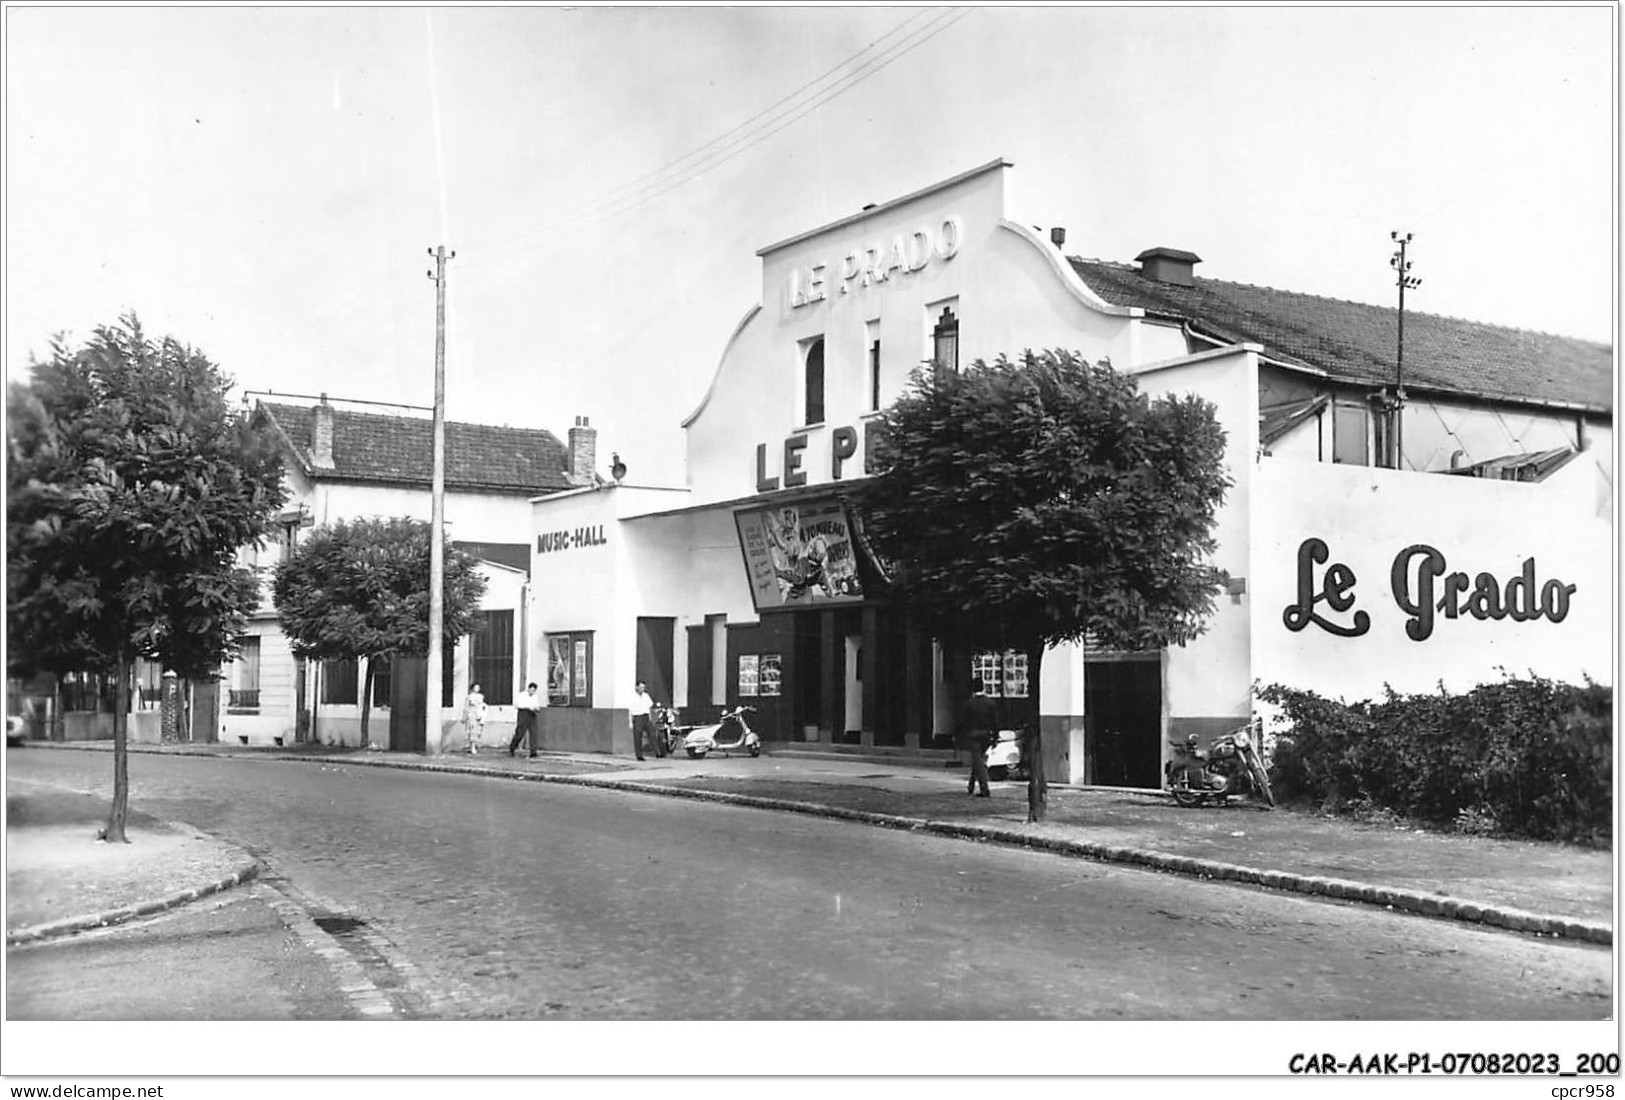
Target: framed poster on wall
column 798, row 555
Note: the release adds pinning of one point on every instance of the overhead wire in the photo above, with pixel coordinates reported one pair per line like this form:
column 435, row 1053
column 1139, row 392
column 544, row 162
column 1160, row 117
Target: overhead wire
column 615, row 193
column 730, row 144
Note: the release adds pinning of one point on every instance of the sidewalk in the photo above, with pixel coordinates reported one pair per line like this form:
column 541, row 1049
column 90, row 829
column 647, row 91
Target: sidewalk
column 1548, row 889
column 61, row 880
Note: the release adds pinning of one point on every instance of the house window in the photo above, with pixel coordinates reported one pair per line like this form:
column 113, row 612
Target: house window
column 874, row 365
column 768, row 679
column 569, row 669
column 491, row 657
column 1002, row 674
column 749, row 672
column 1015, row 675
column 338, row 682
column 945, row 342
column 813, row 370
column 244, row 692
column 1351, row 431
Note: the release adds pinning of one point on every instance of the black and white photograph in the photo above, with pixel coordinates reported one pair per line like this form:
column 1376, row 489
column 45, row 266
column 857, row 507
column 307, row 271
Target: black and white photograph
column 795, row 541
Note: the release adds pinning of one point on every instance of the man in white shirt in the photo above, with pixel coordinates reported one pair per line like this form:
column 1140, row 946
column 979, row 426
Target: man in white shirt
column 526, row 706
column 642, row 728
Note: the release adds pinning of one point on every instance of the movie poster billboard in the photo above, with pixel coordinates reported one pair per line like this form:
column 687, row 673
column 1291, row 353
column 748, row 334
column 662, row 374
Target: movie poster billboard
column 799, row 555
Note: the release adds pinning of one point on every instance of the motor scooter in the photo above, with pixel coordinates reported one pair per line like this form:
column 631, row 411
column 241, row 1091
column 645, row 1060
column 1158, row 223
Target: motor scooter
column 1004, row 758
column 732, row 734
column 1196, row 778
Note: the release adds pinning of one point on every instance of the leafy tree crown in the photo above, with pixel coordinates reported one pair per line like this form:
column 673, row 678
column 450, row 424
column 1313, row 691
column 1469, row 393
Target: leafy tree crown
column 1042, row 500
column 131, row 485
column 360, row 588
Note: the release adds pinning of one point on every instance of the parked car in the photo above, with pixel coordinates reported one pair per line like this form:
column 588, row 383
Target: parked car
column 16, row 730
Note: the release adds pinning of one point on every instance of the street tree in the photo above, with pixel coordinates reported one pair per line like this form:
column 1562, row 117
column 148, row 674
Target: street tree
column 131, row 485
column 359, row 590
column 1021, row 504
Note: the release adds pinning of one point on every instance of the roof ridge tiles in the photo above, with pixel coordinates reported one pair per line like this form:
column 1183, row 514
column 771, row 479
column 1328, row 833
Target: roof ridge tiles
column 1131, row 269
column 1409, row 312
column 1353, row 341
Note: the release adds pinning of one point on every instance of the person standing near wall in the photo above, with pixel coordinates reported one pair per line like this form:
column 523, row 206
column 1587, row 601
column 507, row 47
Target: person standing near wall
column 642, row 728
column 979, row 730
column 474, row 718
column 525, row 727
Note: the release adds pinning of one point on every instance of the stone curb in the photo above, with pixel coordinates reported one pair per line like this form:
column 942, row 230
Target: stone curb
column 70, row 926
column 1411, row 901
column 1431, row 905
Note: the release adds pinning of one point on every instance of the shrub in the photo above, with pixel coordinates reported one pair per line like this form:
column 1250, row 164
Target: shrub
column 1524, row 757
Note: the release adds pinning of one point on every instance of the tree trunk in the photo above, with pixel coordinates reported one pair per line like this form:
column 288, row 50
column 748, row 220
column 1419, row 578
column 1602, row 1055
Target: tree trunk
column 1037, row 784
column 121, row 764
column 366, row 701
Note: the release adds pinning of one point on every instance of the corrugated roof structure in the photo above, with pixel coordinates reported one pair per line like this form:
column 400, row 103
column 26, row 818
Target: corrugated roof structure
column 399, row 450
column 1357, row 343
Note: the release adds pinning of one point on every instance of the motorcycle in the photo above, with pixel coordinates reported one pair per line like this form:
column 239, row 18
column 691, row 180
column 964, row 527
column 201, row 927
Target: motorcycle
column 668, row 733
column 1232, row 763
column 732, row 734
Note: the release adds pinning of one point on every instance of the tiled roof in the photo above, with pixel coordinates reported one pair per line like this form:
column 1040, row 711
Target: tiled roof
column 399, row 450
column 1355, row 342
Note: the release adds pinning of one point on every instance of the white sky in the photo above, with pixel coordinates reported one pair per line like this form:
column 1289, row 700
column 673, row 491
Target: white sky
column 264, row 183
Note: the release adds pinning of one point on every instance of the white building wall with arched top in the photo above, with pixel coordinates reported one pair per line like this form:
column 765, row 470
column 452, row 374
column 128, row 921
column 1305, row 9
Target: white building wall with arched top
column 1372, row 625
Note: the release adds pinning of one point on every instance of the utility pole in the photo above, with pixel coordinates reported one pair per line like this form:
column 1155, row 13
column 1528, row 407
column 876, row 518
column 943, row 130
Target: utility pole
column 1406, row 282
column 437, row 509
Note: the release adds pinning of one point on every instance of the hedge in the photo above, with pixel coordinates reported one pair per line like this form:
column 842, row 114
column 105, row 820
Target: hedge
column 1524, row 758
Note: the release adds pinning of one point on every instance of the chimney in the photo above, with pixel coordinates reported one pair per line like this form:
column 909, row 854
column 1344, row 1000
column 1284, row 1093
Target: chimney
column 583, row 457
column 1168, row 265
column 321, row 436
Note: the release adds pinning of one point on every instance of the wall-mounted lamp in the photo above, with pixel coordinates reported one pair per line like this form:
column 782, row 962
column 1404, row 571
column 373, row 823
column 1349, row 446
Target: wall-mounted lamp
column 617, row 468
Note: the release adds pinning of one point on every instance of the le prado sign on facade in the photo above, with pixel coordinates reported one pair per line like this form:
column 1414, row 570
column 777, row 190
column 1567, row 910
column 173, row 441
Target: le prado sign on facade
column 1422, row 590
column 905, row 253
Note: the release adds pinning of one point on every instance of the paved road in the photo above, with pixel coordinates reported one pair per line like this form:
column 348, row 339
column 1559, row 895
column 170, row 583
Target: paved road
column 455, row 896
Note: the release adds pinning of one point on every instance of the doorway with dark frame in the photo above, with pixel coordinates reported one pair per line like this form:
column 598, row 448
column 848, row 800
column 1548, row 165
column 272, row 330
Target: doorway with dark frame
column 1122, row 709
column 656, row 639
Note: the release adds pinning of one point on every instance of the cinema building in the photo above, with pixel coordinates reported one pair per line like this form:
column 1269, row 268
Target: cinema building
column 1359, row 556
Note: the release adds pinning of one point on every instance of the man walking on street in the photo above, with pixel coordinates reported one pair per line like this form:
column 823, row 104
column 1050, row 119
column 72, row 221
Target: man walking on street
column 642, row 729
column 525, row 727
column 980, row 729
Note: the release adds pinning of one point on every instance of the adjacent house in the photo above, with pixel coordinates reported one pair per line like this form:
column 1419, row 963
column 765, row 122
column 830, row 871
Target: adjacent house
column 344, row 460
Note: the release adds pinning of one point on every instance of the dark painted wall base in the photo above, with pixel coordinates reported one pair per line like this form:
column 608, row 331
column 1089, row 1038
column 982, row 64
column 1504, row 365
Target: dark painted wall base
column 579, row 729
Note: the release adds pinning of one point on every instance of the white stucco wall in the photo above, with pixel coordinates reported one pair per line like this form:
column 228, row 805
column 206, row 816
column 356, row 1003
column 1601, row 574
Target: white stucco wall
column 1010, row 289
column 1208, row 677
column 469, row 517
column 1367, row 517
column 591, row 571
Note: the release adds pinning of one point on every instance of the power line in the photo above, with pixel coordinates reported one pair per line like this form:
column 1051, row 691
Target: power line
column 654, row 177
column 731, row 144
column 614, row 194
column 758, row 128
